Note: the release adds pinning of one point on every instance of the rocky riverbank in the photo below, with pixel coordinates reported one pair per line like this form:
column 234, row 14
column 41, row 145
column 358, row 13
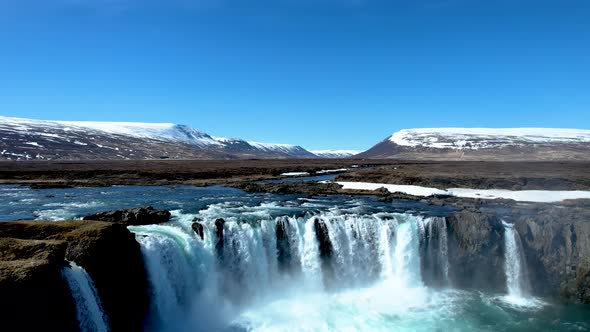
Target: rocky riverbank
column 555, row 238
column 438, row 174
column 555, row 244
column 35, row 297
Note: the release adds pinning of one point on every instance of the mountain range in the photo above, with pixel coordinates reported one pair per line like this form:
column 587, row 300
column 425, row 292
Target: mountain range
column 484, row 144
column 27, row 139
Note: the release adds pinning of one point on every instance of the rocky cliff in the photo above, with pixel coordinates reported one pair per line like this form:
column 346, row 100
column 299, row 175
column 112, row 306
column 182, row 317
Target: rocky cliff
column 34, row 295
column 555, row 240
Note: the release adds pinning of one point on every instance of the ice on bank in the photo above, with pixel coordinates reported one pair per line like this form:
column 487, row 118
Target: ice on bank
column 540, row 196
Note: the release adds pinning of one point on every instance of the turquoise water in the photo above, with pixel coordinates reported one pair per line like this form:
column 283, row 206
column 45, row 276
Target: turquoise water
column 372, row 280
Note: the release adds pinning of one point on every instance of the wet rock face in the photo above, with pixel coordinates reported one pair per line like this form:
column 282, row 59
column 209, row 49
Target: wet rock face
column 107, row 251
column 323, row 237
column 136, row 216
column 113, row 259
column 434, row 253
column 219, row 223
column 476, row 252
column 325, row 248
column 34, row 295
column 556, row 244
column 199, row 229
column 283, row 246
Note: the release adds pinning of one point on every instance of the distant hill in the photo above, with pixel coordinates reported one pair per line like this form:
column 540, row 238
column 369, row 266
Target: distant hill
column 26, row 139
column 484, row 144
column 334, row 154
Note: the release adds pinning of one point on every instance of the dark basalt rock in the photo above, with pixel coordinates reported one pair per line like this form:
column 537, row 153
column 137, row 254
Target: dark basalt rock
column 219, row 232
column 284, row 255
column 382, row 191
column 136, row 216
column 476, row 251
column 323, row 237
column 34, row 296
column 390, row 197
column 432, row 262
column 556, row 244
column 50, row 186
column 107, row 251
column 306, row 187
column 199, row 229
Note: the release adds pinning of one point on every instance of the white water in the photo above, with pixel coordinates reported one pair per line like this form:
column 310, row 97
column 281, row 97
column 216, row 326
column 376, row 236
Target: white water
column 433, row 233
column 514, row 267
column 370, row 280
column 88, row 310
column 179, row 269
column 379, row 251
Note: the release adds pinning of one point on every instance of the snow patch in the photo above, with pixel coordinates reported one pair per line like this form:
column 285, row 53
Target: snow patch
column 393, row 188
column 295, row 174
column 328, row 171
column 539, row 196
column 34, row 144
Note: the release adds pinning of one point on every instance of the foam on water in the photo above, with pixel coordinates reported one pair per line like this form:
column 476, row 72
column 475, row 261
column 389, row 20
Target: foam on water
column 271, row 271
column 372, row 279
column 88, row 309
column 517, row 282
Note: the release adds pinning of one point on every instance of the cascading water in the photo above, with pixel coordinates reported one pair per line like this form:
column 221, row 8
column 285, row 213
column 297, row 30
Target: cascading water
column 514, row 265
column 264, row 267
column 369, row 269
column 88, row 309
column 179, row 269
column 264, row 256
column 434, row 250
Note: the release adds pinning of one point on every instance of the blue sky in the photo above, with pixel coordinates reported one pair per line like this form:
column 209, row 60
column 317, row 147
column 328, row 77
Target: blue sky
column 320, row 73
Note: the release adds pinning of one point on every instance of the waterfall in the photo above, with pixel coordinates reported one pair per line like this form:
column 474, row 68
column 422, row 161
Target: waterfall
column 177, row 266
column 406, row 266
column 514, row 263
column 434, row 250
column 88, row 310
column 263, row 256
column 310, row 258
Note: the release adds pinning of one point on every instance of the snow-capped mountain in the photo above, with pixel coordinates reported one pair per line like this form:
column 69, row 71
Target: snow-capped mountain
column 154, row 131
column 335, row 154
column 484, row 144
column 27, row 139
column 237, row 144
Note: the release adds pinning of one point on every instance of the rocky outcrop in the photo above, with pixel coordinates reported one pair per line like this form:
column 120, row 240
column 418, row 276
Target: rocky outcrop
column 198, row 228
column 475, row 251
column 325, row 250
column 304, row 187
column 284, row 257
column 137, row 216
column 52, row 185
column 107, row 251
column 219, row 223
column 556, row 244
column 34, row 297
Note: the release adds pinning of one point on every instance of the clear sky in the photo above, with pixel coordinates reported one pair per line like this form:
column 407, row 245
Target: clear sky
column 319, row 73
